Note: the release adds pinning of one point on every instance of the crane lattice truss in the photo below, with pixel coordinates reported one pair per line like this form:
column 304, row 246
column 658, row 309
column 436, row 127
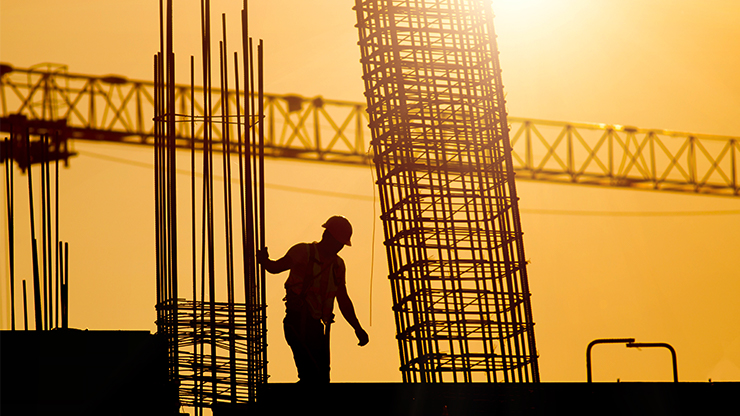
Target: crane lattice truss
column 446, row 184
column 113, row 108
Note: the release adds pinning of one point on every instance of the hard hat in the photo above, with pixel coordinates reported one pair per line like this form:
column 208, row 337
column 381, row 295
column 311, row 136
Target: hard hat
column 340, row 228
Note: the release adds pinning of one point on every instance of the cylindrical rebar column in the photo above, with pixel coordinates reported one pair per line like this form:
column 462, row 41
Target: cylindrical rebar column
column 446, row 183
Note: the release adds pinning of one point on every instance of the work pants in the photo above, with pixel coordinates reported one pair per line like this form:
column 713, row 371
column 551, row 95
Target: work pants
column 310, row 346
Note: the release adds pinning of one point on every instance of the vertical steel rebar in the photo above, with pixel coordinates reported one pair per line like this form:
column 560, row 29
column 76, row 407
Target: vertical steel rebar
column 49, row 264
column 228, row 220
column 59, row 248
column 65, row 289
column 208, row 156
column 158, row 249
column 25, row 307
column 56, row 223
column 9, row 192
column 44, row 275
column 172, row 191
column 34, row 250
column 263, row 290
column 193, row 241
column 251, row 288
column 246, row 253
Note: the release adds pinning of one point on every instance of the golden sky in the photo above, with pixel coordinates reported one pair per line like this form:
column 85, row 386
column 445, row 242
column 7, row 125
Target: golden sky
column 650, row 63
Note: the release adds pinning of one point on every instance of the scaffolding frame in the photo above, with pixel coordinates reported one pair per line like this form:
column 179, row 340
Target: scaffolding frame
column 446, row 183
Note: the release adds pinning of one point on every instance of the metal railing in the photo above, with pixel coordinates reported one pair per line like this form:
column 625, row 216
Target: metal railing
column 630, row 343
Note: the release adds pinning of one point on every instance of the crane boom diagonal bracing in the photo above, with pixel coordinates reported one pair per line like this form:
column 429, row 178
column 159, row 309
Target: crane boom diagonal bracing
column 116, row 109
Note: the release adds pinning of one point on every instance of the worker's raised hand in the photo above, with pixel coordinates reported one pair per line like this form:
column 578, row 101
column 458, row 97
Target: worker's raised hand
column 362, row 337
column 262, row 256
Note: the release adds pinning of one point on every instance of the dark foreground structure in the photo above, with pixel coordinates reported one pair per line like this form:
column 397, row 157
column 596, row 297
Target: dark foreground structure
column 507, row 399
column 73, row 372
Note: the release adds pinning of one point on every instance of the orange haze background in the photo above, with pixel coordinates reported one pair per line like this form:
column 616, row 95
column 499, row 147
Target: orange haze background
column 659, row 267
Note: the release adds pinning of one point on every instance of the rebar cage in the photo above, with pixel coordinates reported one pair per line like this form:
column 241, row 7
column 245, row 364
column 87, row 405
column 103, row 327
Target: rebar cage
column 219, row 351
column 446, row 183
column 217, row 345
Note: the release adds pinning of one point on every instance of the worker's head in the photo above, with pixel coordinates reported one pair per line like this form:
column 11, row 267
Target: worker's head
column 339, row 228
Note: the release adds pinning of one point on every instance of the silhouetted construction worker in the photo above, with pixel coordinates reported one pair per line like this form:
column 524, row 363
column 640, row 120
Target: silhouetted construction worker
column 317, row 276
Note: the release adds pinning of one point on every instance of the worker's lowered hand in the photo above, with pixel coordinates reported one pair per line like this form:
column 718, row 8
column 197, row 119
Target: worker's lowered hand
column 362, row 337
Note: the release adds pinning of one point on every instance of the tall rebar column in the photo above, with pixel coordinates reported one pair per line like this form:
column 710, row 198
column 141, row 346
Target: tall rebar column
column 446, row 183
column 216, row 339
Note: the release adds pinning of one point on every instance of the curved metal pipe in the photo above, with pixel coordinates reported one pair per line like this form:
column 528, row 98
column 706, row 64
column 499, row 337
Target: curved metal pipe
column 662, row 345
column 602, row 341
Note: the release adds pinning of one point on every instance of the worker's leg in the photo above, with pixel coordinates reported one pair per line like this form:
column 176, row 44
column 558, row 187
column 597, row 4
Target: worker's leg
column 305, row 336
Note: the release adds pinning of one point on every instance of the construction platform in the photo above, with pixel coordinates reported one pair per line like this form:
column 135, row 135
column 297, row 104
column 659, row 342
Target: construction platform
column 74, row 372
column 390, row 399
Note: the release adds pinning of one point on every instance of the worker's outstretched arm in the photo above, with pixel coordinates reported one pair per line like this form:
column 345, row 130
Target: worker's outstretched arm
column 348, row 311
column 273, row 266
